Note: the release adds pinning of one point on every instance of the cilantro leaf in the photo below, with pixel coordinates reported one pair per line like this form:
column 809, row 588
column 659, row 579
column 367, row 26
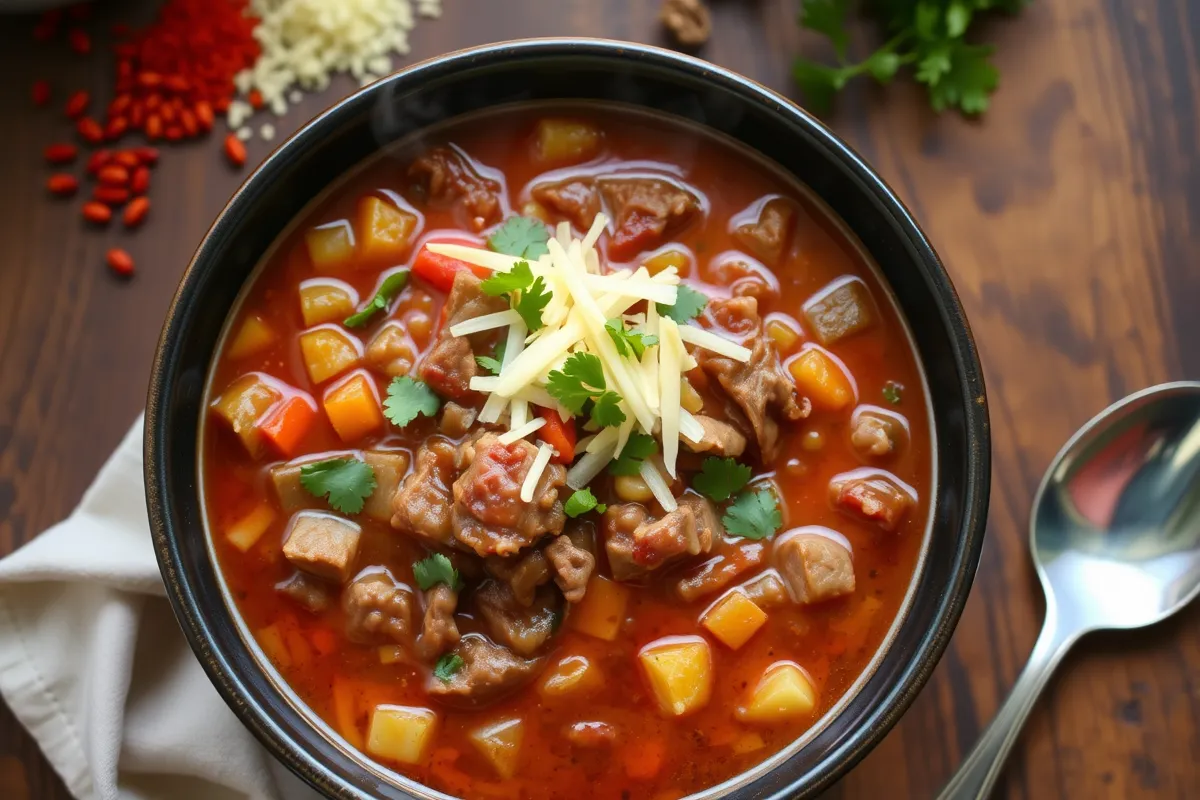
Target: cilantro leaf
column 639, row 447
column 436, row 569
column 969, row 82
column 488, row 363
column 502, row 283
column 629, row 342
column 407, row 399
column 523, row 237
column 606, row 412
column 753, row 515
column 582, row 502
column 345, row 482
column 720, row 478
column 391, row 286
column 447, row 666
column 893, row 392
column 531, row 303
column 688, row 304
column 580, row 379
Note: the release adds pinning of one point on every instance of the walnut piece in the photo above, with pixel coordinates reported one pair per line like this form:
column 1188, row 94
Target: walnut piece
column 687, row 20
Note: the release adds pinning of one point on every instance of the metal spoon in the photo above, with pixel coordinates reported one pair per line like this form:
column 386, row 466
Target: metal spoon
column 1115, row 536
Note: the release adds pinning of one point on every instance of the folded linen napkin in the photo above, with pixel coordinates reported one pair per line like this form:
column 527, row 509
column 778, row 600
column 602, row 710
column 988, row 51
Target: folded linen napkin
column 94, row 665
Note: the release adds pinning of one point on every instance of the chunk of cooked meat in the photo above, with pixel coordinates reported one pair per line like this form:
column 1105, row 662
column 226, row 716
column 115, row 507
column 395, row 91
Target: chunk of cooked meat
column 719, row 439
column 767, row 590
column 571, row 557
column 814, row 566
column 618, row 524
column 523, row 573
column 841, row 309
column 456, row 419
column 291, row 493
column 647, row 211
column 446, row 177
column 489, row 515
column 488, row 673
column 744, row 276
column 876, row 433
column 713, row 575
column 450, row 363
column 876, row 497
column 636, row 543
column 390, row 351
column 591, row 735
column 687, row 20
column 422, row 505
column 761, row 387
column 576, row 199
column 439, row 632
column 770, row 236
column 522, row 629
column 307, row 590
column 377, row 607
column 323, row 545
column 390, row 467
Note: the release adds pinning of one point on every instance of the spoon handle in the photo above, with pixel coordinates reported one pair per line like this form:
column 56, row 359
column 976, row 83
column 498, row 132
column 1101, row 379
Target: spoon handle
column 978, row 773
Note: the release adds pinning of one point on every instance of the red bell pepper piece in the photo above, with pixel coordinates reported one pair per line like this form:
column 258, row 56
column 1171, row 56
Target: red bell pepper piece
column 559, row 434
column 439, row 271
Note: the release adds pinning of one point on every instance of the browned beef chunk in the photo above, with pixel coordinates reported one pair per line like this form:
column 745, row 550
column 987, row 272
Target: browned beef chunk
column 647, row 211
column 488, row 673
column 390, row 351
column 814, row 567
column 637, row 544
column 523, row 573
column 719, row 439
column 450, row 364
column 591, row 735
column 875, row 433
column 377, row 608
column 323, row 545
column 727, row 563
column 456, row 419
column 489, row 515
column 875, row 497
column 522, row 629
column 618, row 524
column 439, row 632
column 572, row 560
column 576, row 199
column 310, row 592
column 767, row 590
column 770, row 236
column 841, row 309
column 761, row 387
column 422, row 504
column 445, row 177
column 745, row 277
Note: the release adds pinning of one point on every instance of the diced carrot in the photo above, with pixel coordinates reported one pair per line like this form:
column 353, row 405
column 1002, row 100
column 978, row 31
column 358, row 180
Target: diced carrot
column 602, row 609
column 271, row 640
column 644, row 758
column 297, row 644
column 821, row 377
column 353, row 408
column 324, row 641
column 288, row 423
column 559, row 434
column 439, row 271
column 385, row 231
column 345, row 711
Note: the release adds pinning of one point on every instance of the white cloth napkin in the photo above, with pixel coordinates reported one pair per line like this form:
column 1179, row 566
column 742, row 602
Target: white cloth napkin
column 93, row 663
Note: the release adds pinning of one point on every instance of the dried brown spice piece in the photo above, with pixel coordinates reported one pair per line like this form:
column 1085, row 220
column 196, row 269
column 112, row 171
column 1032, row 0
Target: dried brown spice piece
column 687, row 20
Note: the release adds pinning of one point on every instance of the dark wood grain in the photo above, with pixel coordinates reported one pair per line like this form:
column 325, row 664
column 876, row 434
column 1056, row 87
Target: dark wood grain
column 1069, row 219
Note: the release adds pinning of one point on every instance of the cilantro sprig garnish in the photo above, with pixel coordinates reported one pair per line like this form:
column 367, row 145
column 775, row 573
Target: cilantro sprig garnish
column 522, row 237
column 893, row 392
column 447, row 667
column 345, row 482
column 429, row 572
column 688, row 305
column 629, row 343
column 720, row 478
column 528, row 294
column 753, row 515
column 580, row 380
column 639, row 447
column 392, row 286
column 581, row 502
column 493, row 362
column 407, row 399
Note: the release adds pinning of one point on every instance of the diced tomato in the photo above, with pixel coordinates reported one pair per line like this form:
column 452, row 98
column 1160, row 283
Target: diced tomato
column 637, row 233
column 286, row 425
column 559, row 434
column 439, row 271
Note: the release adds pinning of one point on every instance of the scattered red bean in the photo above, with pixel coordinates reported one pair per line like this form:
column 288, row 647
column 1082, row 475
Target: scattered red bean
column 235, row 150
column 79, row 40
column 77, row 104
column 147, row 155
column 173, row 133
column 204, row 115
column 153, row 127
column 40, row 92
column 136, row 212
column 139, row 181
column 62, row 184
column 60, row 153
column 127, row 159
column 113, row 175
column 97, row 160
column 256, row 99
column 119, row 262
column 97, row 213
column 116, row 128
column 90, row 130
column 111, row 195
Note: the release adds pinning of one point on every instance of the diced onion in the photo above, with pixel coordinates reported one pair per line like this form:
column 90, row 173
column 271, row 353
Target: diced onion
column 485, row 323
column 710, row 341
column 658, row 486
column 536, row 469
column 521, row 432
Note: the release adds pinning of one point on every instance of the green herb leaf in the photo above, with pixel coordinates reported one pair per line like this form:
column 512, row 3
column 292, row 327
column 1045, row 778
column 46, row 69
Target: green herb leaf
column 447, row 666
column 721, row 478
column 391, row 286
column 531, row 303
column 753, row 515
column 606, row 412
column 629, row 343
column 688, row 305
column 580, row 379
column 502, row 283
column 523, row 237
column 407, row 399
column 345, row 482
column 436, row 569
column 827, row 17
column 969, row 83
column 488, row 363
column 582, row 502
column 893, row 392
column 639, row 447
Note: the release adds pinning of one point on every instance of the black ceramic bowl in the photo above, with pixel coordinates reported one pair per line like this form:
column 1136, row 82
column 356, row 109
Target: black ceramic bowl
column 572, row 70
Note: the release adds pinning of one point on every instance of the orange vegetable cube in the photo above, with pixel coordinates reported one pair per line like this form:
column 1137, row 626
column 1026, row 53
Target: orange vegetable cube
column 385, row 231
column 602, row 609
column 353, row 408
column 822, row 378
column 500, row 743
column 242, row 404
column 644, row 759
column 328, row 352
column 783, row 335
column 571, row 674
column 287, row 424
column 565, row 141
column 346, row 696
column 784, row 692
column 669, row 258
column 679, row 671
column 331, row 246
column 271, row 640
column 401, row 733
column 244, row 533
column 326, row 300
column 734, row 619
column 254, row 336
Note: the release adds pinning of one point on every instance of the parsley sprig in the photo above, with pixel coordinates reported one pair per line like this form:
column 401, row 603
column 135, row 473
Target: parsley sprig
column 527, row 293
column 391, row 286
column 345, row 482
column 522, row 237
column 436, row 569
column 753, row 515
column 581, row 502
column 629, row 343
column 688, row 305
column 581, row 380
column 407, row 399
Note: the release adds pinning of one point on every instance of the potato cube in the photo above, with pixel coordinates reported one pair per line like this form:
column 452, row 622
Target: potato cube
column 390, row 468
column 602, row 609
column 328, row 352
column 565, row 141
column 678, row 259
column 679, row 669
column 323, row 545
column 326, row 300
column 783, row 335
column 331, row 246
column 734, row 619
column 401, row 733
column 244, row 533
column 392, row 654
column 747, row 743
column 270, row 639
column 254, row 336
column 784, row 692
column 841, row 309
column 573, row 674
column 242, row 404
column 288, row 489
column 500, row 744
column 347, row 696
column 385, row 231
column 821, row 377
column 353, row 408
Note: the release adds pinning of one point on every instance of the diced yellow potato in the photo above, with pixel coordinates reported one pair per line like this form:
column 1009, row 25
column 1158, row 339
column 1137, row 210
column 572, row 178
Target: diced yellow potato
column 566, row 141
column 679, row 670
column 747, row 743
column 385, row 231
column 242, row 404
column 353, row 408
column 329, row 352
column 270, row 639
column 784, row 692
column 536, row 210
column 326, row 300
column 783, row 335
column 734, row 619
column 254, row 336
column 689, row 398
column 244, row 533
column 331, row 246
column 345, row 711
column 500, row 744
column 390, row 469
column 573, row 674
column 602, row 609
column 298, row 646
column 632, row 489
column 392, row 654
column 822, row 379
column 669, row 258
column 401, row 733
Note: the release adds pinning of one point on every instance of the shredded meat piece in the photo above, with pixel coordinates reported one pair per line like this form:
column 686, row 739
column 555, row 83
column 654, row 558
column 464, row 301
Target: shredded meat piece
column 450, row 364
column 637, row 544
column 439, row 632
column 522, row 629
column 422, row 505
column 323, row 545
column 647, row 210
column 445, row 177
column 390, row 351
column 767, row 590
column 523, row 573
column 719, row 439
column 687, row 20
column 456, row 419
column 770, row 236
column 716, row 573
column 875, row 434
column 618, row 525
column 876, row 497
column 378, row 608
column 814, row 567
column 591, row 735
column 488, row 673
column 489, row 515
column 577, row 199
column 310, row 592
column 761, row 387
column 571, row 557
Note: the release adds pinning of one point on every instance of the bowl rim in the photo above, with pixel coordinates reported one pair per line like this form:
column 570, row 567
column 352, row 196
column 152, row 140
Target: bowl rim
column 976, row 482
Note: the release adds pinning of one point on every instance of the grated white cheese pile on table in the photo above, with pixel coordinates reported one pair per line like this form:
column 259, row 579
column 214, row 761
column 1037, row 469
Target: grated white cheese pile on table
column 583, row 298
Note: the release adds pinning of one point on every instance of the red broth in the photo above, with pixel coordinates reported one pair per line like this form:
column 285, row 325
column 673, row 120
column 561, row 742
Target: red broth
column 653, row 755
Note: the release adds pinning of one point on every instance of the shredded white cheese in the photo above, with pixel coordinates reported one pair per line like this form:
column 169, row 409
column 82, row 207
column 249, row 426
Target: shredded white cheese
column 536, row 469
column 521, row 432
column 658, row 485
column 671, row 357
column 710, row 341
column 485, row 323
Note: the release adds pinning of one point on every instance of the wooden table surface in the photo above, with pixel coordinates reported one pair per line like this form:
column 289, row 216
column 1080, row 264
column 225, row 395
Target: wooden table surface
column 1069, row 219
